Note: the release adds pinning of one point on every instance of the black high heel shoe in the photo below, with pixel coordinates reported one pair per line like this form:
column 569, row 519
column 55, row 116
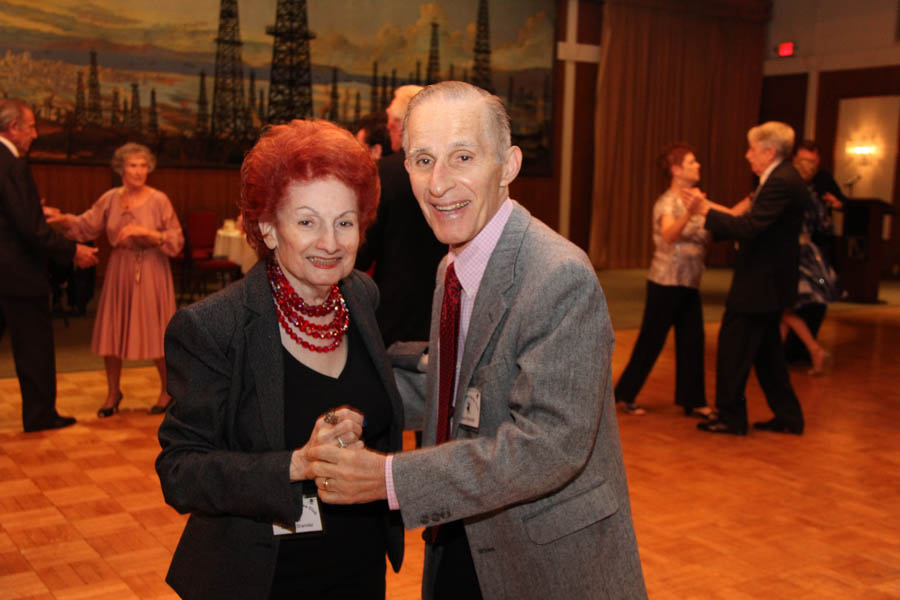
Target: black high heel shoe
column 109, row 411
column 158, row 409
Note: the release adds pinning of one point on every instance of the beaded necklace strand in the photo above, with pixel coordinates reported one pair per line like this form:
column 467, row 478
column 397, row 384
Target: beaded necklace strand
column 291, row 307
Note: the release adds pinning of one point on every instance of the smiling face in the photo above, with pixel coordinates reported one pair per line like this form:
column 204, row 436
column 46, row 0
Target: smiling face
column 454, row 169
column 134, row 170
column 315, row 235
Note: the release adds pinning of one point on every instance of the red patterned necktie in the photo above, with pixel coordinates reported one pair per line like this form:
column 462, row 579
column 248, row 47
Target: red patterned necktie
column 448, row 342
column 449, row 337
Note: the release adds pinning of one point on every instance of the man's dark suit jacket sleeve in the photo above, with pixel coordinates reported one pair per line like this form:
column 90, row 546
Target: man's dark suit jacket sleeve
column 765, row 210
column 23, row 206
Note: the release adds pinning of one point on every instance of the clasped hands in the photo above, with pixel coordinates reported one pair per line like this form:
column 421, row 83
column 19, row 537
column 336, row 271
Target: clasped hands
column 695, row 201
column 335, row 457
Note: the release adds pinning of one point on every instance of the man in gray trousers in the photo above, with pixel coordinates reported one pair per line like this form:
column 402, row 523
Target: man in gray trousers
column 521, row 481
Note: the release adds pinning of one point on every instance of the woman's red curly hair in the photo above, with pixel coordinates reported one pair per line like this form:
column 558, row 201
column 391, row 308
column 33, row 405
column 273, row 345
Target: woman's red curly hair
column 303, row 151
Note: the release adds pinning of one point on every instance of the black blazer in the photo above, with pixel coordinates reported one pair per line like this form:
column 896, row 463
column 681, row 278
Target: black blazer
column 766, row 266
column 406, row 255
column 26, row 241
column 223, row 453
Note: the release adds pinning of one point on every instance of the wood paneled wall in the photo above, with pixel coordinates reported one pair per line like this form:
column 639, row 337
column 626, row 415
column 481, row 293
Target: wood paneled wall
column 73, row 188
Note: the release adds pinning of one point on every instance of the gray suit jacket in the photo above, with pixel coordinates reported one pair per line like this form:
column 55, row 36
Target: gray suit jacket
column 541, row 484
column 223, row 453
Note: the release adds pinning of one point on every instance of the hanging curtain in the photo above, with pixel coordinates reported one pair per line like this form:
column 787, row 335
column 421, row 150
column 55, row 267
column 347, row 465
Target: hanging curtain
column 671, row 70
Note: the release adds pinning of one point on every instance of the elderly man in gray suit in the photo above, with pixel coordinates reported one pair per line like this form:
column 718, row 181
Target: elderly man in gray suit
column 521, row 483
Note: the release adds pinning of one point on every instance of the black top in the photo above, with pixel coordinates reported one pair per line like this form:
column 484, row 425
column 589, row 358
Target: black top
column 348, row 558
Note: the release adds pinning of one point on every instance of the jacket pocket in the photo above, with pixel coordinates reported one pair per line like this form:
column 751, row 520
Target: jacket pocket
column 571, row 515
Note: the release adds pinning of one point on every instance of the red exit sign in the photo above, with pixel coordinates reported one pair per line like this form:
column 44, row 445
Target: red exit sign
column 786, row 49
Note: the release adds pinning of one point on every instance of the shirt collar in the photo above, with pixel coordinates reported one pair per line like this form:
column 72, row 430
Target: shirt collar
column 472, row 261
column 768, row 171
column 10, row 145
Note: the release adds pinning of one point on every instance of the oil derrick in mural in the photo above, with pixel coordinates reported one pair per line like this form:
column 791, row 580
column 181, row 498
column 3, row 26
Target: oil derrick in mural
column 433, row 74
column 374, row 105
column 251, row 98
column 80, row 110
column 202, row 109
column 115, row 118
column 228, row 116
column 333, row 107
column 152, row 117
column 93, row 104
column 290, row 83
column 133, row 121
column 481, row 71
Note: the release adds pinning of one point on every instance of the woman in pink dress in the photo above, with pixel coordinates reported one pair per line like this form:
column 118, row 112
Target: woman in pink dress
column 138, row 297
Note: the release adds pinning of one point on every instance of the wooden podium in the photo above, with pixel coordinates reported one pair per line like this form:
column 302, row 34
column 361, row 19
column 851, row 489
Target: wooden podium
column 861, row 249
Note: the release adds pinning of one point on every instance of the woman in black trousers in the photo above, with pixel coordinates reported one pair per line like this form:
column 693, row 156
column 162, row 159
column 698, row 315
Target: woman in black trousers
column 673, row 298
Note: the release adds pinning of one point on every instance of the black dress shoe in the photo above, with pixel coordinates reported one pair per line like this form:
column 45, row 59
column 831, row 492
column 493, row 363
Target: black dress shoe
column 777, row 426
column 57, row 422
column 717, row 426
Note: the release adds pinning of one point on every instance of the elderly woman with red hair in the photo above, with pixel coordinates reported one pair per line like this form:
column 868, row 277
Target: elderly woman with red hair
column 262, row 372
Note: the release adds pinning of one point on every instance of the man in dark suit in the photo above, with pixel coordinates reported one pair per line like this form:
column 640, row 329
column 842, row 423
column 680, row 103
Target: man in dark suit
column 26, row 244
column 521, row 481
column 764, row 284
column 400, row 243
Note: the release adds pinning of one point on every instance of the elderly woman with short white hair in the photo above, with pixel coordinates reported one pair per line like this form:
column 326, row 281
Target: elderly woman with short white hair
column 138, row 296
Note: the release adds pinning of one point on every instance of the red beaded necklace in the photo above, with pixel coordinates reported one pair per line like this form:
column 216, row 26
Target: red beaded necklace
column 290, row 307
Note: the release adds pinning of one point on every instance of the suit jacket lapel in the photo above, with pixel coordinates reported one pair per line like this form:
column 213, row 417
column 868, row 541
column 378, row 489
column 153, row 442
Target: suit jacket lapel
column 264, row 353
column 492, row 300
column 363, row 318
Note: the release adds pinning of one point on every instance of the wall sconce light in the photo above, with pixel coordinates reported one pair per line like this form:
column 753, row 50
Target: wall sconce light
column 862, row 154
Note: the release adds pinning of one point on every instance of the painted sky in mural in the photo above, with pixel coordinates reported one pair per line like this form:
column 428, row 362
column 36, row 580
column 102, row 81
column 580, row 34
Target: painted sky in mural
column 164, row 44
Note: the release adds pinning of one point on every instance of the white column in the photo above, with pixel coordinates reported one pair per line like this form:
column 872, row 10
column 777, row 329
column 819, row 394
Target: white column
column 571, row 52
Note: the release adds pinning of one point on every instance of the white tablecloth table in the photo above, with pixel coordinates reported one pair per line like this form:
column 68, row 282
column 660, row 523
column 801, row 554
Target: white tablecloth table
column 232, row 244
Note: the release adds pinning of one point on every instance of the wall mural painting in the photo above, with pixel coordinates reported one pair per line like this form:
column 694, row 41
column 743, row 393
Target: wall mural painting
column 197, row 80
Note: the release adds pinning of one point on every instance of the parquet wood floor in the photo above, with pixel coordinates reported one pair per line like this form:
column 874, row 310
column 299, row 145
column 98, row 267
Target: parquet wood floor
column 766, row 516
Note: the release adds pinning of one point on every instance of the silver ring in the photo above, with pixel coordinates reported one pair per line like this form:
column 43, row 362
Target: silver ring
column 341, row 443
column 325, row 484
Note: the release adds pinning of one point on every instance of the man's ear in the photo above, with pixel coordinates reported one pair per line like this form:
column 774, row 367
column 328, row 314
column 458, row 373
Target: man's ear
column 511, row 165
column 375, row 150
